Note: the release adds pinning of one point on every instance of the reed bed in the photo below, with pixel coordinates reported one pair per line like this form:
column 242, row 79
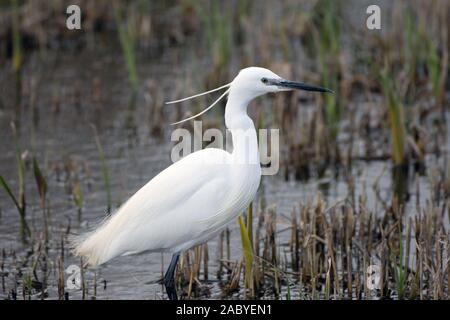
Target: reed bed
column 322, row 251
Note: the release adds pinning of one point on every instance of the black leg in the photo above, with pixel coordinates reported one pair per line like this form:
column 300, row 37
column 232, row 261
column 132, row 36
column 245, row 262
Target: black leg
column 169, row 281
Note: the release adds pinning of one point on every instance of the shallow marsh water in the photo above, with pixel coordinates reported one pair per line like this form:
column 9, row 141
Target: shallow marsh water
column 67, row 91
column 82, row 89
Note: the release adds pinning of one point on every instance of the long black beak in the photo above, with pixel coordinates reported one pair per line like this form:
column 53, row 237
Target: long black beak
column 298, row 86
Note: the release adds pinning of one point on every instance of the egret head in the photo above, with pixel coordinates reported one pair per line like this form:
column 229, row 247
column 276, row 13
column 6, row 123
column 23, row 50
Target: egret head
column 256, row 81
column 250, row 83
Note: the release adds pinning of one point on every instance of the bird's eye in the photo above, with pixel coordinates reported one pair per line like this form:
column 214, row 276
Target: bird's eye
column 264, row 80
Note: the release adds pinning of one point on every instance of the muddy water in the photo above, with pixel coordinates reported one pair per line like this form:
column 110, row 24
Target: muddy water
column 77, row 90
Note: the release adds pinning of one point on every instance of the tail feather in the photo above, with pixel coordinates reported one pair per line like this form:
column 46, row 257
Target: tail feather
column 94, row 246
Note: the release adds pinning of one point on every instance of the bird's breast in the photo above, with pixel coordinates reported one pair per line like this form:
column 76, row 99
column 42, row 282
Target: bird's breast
column 243, row 184
column 246, row 180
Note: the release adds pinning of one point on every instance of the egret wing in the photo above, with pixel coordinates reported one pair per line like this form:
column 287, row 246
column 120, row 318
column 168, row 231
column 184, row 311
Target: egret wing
column 163, row 213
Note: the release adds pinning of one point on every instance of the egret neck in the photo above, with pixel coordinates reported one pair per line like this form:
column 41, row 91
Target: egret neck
column 243, row 132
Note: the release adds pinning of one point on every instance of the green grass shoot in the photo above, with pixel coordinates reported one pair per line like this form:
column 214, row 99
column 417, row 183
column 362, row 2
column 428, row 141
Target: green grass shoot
column 104, row 168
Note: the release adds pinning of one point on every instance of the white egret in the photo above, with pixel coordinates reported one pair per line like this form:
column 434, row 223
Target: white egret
column 195, row 198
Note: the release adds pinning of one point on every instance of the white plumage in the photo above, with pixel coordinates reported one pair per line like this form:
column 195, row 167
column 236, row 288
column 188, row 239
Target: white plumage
column 178, row 209
column 195, row 198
